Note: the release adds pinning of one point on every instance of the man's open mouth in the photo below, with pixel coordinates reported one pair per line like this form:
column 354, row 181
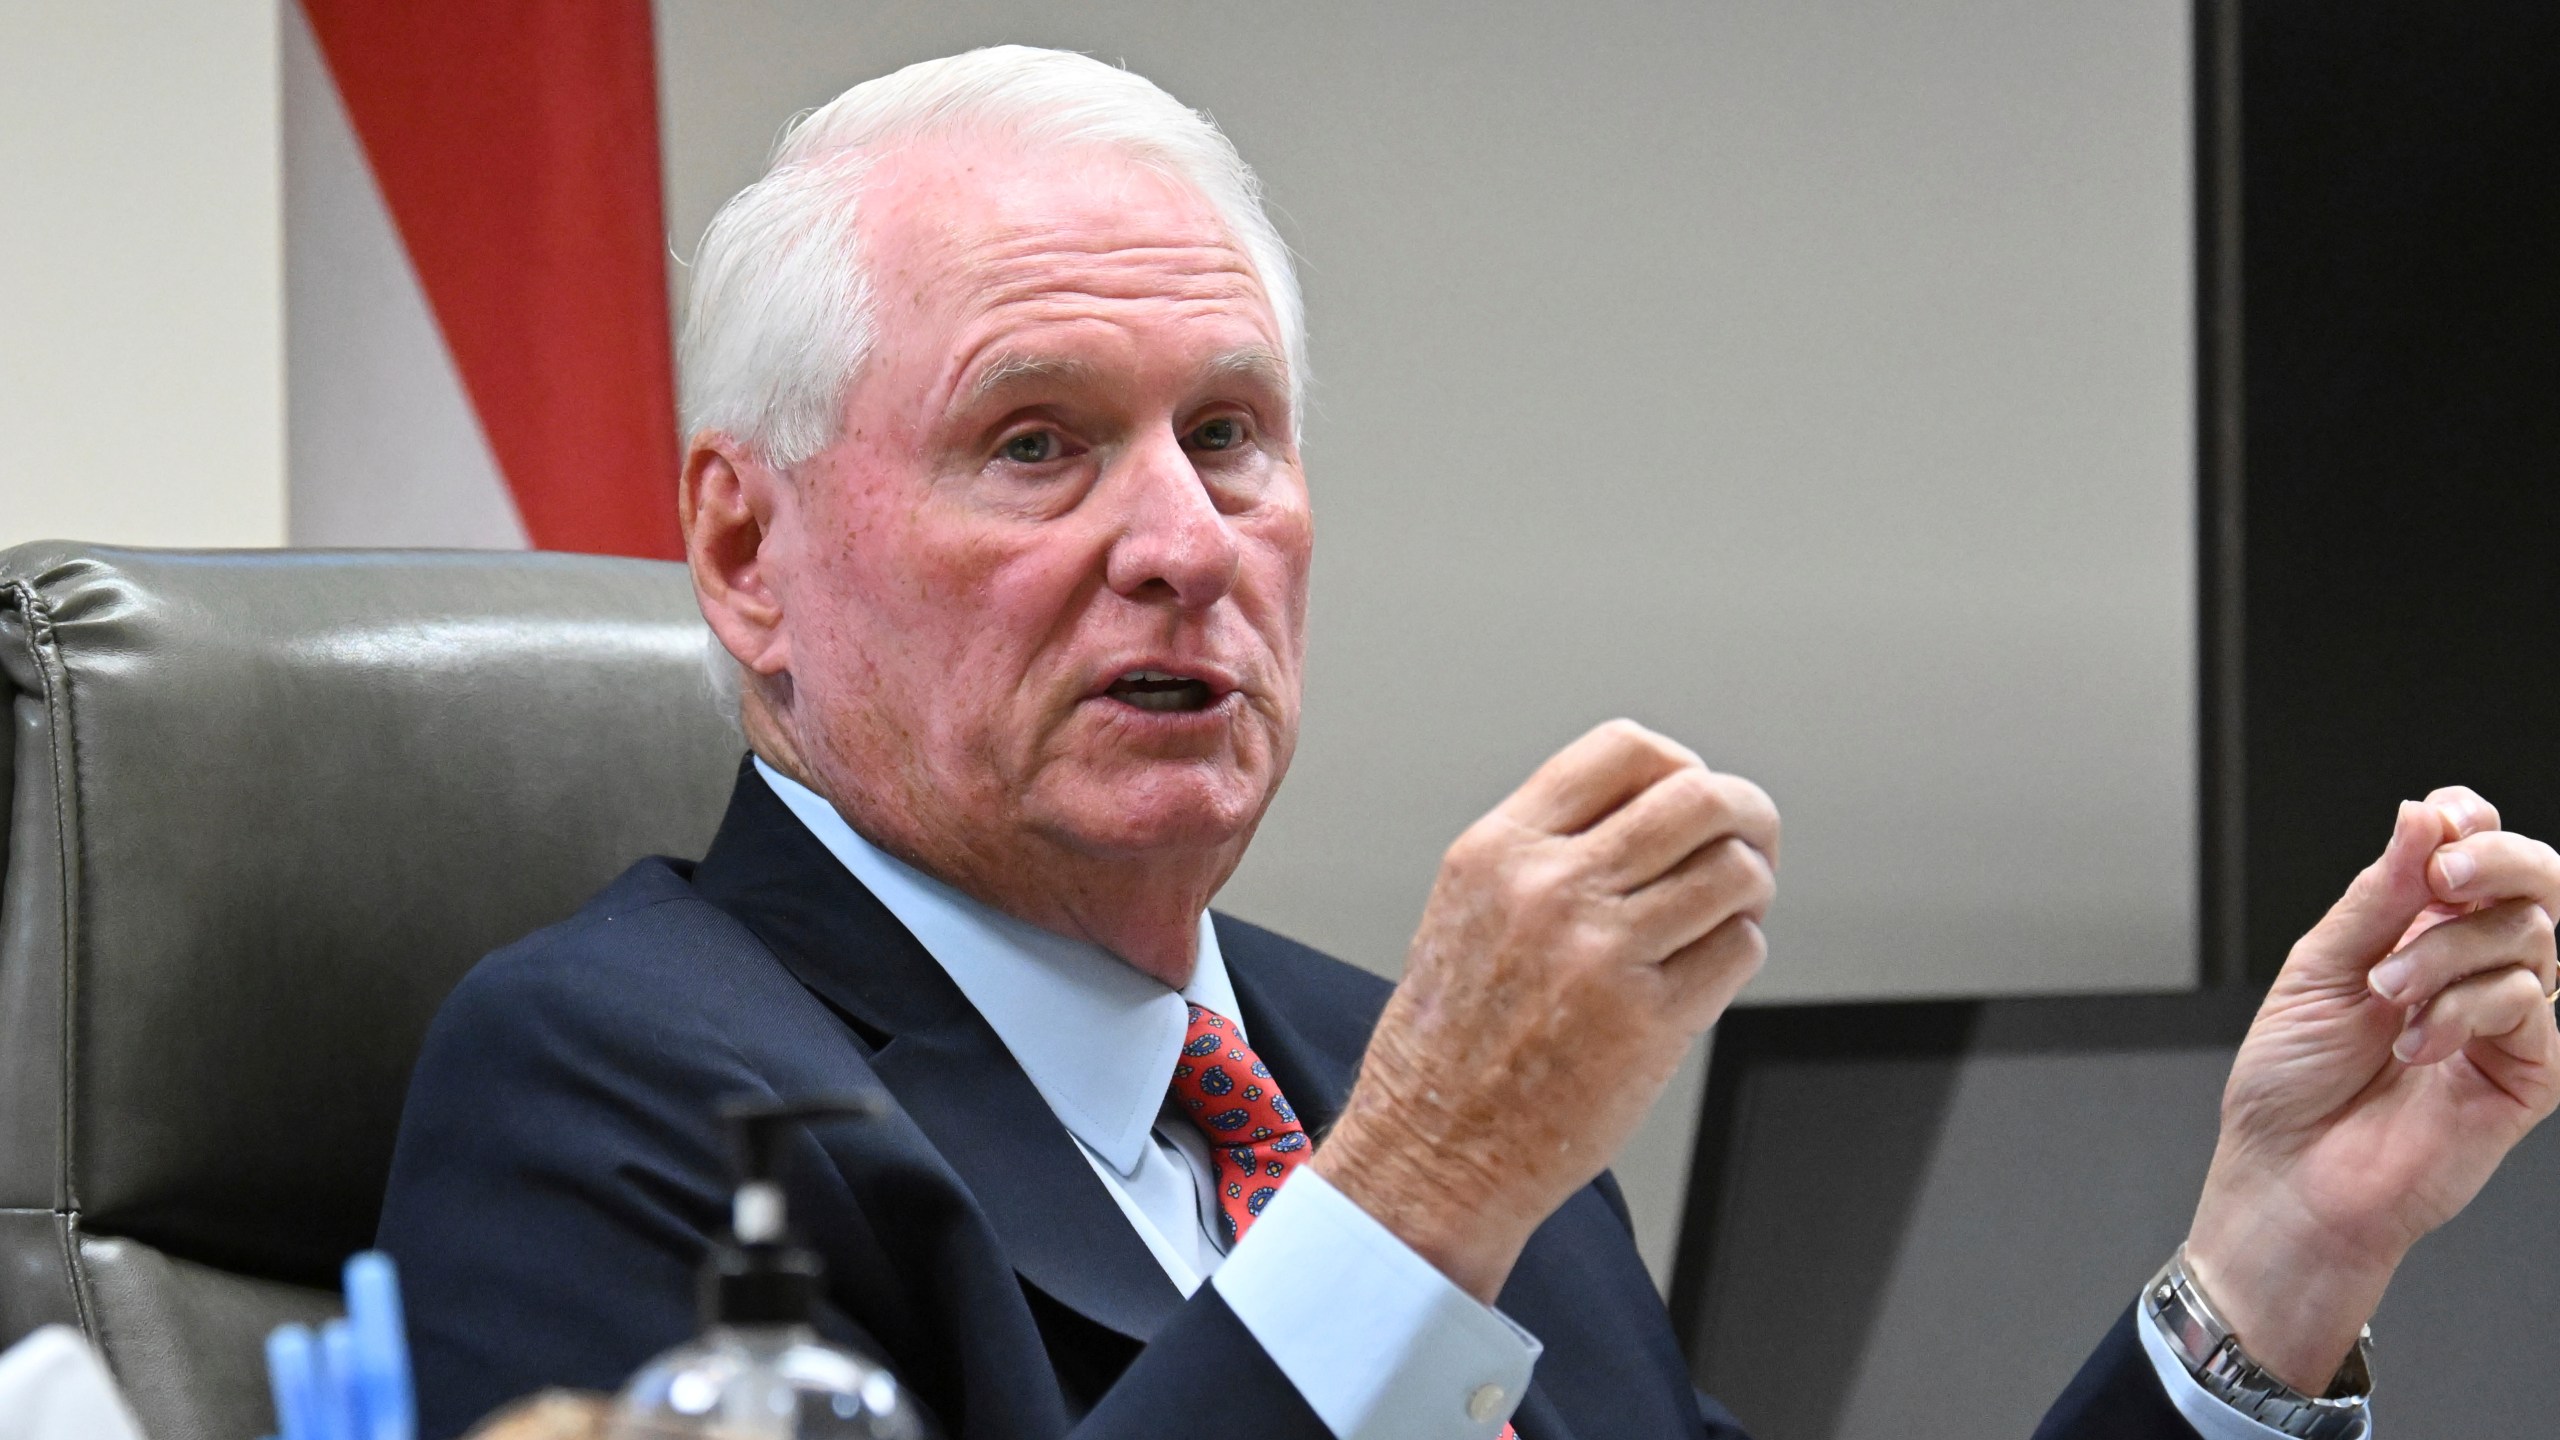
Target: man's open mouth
column 1161, row 691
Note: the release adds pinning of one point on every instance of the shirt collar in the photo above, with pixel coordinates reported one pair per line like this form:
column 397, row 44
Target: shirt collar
column 1097, row 1037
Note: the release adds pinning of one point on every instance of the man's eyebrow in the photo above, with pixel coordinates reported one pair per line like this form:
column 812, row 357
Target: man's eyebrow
column 1007, row 371
column 1255, row 363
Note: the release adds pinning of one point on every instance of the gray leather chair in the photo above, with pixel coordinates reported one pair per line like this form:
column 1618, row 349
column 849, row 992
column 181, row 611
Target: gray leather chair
column 267, row 807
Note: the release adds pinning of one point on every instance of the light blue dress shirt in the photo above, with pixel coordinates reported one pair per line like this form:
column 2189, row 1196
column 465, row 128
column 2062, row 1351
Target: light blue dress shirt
column 1375, row 1338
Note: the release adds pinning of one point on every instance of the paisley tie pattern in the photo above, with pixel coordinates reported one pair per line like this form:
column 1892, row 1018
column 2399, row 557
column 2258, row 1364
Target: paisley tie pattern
column 1255, row 1141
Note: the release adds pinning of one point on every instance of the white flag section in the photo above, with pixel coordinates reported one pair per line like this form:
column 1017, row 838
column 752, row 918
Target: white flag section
column 476, row 333
column 383, row 446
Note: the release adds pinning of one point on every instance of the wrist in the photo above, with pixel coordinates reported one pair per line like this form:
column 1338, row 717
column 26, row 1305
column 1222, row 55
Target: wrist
column 2295, row 1295
column 1425, row 1200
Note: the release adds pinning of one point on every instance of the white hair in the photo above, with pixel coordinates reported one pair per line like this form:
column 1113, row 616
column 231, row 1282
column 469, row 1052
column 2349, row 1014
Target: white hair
column 779, row 319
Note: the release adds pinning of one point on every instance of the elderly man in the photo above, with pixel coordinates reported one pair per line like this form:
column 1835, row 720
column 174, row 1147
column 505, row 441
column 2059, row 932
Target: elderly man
column 993, row 495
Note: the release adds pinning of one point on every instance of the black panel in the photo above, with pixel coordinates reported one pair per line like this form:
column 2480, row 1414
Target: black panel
column 2401, row 215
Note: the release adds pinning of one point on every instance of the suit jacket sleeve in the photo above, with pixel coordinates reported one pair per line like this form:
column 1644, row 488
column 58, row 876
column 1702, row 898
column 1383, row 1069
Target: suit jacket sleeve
column 549, row 1196
column 2116, row 1395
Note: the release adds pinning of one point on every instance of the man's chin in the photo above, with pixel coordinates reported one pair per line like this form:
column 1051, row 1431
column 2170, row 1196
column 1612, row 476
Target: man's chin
column 1161, row 815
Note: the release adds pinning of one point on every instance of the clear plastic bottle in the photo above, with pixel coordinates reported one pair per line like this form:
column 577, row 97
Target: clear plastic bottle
column 764, row 1382
column 759, row 1370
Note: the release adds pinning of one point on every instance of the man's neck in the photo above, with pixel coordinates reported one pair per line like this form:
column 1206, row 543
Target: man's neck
column 1146, row 911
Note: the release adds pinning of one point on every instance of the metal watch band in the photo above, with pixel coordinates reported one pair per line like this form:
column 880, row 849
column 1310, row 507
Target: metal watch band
column 2212, row 1354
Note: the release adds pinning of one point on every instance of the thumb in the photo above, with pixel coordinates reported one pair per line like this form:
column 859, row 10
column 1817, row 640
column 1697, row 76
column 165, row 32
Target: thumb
column 2382, row 901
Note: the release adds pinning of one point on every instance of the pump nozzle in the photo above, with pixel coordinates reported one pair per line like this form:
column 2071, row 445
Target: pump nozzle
column 762, row 1277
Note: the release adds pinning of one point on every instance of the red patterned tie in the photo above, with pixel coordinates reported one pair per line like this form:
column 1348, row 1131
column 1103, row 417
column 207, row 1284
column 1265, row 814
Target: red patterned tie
column 1254, row 1137
column 1255, row 1140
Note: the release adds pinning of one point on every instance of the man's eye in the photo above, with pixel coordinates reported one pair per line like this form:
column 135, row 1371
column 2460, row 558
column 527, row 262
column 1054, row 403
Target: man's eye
column 1032, row 447
column 1224, row 433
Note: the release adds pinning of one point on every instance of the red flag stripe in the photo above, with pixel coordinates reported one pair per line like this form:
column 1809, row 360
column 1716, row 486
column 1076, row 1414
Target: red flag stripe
column 516, row 142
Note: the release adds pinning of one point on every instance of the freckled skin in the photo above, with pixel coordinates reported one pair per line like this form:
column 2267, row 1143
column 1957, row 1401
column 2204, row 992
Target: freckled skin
column 930, row 617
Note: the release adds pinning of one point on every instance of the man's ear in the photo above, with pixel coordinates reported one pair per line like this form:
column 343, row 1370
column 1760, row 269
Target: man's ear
column 729, row 503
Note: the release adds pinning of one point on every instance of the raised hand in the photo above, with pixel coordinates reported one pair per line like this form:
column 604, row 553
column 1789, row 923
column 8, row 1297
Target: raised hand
column 1577, row 940
column 2406, row 1047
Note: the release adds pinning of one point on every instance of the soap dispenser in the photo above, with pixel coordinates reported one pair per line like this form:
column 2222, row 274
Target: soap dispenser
column 759, row 1370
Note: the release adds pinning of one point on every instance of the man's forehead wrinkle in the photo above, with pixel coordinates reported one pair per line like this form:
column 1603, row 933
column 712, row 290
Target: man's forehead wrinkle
column 974, row 220
column 1036, row 295
column 983, row 258
column 1053, row 262
column 1028, row 297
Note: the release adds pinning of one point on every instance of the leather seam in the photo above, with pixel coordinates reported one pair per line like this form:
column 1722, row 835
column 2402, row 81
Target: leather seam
column 83, row 1303
column 46, row 651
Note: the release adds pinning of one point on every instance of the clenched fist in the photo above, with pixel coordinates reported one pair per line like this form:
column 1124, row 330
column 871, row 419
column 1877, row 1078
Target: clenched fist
column 1578, row 939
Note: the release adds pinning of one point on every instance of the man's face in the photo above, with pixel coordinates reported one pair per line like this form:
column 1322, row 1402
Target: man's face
column 1052, row 579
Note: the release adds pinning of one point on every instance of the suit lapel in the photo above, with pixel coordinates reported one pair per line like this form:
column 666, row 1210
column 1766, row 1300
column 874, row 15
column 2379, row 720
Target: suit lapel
column 1064, row 1232
column 941, row 1060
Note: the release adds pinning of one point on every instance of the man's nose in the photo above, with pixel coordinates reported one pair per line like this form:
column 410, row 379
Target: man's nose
column 1172, row 542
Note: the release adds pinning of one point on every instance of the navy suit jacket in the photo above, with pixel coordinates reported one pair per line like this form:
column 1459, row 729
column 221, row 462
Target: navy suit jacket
column 560, row 1171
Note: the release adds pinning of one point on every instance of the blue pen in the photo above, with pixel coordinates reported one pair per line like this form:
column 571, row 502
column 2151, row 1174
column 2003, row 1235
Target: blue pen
column 340, row 1401
column 386, row 1398
column 292, row 1370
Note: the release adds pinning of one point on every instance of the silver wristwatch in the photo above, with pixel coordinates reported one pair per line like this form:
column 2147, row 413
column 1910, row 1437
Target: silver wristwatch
column 2213, row 1355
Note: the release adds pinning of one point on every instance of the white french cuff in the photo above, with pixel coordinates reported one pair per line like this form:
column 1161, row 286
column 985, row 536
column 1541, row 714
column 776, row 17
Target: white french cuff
column 2212, row 1419
column 1377, row 1341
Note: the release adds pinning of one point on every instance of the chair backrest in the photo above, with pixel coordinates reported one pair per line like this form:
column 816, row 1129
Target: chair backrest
column 267, row 807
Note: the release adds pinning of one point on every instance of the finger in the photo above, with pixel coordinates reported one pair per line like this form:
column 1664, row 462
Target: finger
column 1709, row 971
column 2511, row 932
column 1611, row 764
column 2495, row 865
column 2428, row 919
column 1713, row 885
column 2483, row 1007
column 2464, row 810
column 2379, row 904
column 1674, row 818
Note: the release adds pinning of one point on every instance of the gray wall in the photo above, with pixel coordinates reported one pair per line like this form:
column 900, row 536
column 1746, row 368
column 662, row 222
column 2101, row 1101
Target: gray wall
column 141, row 320
column 1808, row 378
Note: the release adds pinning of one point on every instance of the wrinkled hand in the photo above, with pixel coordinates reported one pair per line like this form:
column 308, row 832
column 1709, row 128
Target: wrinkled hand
column 2404, row 1050
column 1578, row 939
